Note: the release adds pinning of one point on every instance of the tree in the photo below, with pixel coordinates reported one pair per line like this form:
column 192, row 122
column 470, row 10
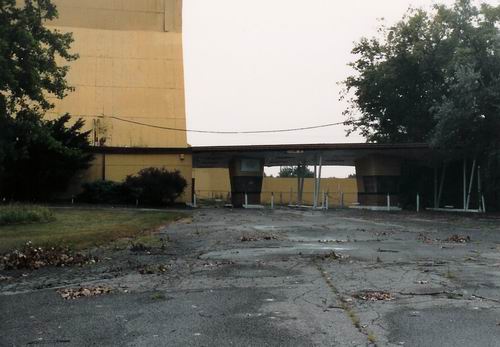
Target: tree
column 29, row 73
column 293, row 171
column 433, row 77
column 38, row 157
column 47, row 154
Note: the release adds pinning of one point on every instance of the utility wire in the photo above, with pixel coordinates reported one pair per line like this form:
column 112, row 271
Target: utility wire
column 223, row 132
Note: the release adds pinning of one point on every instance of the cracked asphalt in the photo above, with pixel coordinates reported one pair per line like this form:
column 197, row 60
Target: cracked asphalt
column 301, row 278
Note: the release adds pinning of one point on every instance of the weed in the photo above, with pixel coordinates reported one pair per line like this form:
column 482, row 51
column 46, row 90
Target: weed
column 24, row 214
column 158, row 296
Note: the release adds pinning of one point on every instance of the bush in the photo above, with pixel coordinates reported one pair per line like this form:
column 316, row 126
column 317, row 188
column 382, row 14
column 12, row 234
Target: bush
column 154, row 186
column 150, row 186
column 20, row 214
column 103, row 192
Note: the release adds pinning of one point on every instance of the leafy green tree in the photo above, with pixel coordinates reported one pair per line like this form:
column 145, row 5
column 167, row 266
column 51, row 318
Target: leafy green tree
column 47, row 155
column 37, row 157
column 433, row 77
column 294, row 171
column 29, row 73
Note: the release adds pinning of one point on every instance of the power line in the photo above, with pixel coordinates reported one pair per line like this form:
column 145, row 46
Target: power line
column 222, row 132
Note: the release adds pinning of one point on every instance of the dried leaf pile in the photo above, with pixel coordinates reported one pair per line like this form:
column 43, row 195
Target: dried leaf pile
column 31, row 257
column 333, row 255
column 374, row 296
column 246, row 238
column 218, row 263
column 458, row 239
column 75, row 293
column 156, row 269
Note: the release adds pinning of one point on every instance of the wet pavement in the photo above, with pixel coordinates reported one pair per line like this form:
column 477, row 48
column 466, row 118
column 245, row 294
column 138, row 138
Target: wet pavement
column 275, row 278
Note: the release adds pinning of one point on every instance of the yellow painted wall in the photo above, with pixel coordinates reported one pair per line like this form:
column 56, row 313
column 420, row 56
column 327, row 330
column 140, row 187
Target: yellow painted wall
column 285, row 190
column 215, row 183
column 130, row 66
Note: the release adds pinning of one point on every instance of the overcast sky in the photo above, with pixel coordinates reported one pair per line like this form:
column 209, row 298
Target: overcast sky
column 273, row 64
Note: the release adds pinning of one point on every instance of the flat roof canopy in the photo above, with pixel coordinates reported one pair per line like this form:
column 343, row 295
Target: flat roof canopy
column 343, row 154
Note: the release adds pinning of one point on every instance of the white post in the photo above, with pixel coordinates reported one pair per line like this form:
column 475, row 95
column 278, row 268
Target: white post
column 326, row 201
column 272, row 200
column 323, row 201
column 484, row 205
column 418, row 202
column 388, row 202
column 194, row 200
column 246, row 200
column 72, row 199
column 341, row 199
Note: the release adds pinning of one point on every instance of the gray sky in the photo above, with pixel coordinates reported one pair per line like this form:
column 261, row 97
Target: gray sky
column 271, row 64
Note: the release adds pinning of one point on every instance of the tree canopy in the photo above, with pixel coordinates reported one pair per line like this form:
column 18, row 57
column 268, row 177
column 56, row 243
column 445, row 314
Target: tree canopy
column 38, row 157
column 294, row 171
column 432, row 77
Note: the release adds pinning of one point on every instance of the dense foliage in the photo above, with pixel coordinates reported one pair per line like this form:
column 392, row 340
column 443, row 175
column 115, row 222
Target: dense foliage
column 38, row 157
column 151, row 186
column 433, row 77
column 294, row 171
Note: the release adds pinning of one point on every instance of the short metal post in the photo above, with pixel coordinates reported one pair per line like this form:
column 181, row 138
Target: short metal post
column 327, row 200
column 418, row 202
column 281, row 198
column 246, row 200
column 72, row 199
column 194, row 200
column 388, row 202
column 341, row 199
column 136, row 202
column 272, row 200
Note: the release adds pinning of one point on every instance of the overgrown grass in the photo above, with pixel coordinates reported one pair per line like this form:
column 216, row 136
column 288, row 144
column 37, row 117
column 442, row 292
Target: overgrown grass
column 24, row 214
column 82, row 228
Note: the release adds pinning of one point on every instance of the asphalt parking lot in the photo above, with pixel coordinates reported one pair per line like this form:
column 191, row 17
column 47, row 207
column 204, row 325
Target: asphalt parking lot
column 275, row 278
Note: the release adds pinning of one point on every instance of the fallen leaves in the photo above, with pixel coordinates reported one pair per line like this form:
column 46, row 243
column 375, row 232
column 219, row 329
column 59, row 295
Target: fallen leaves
column 458, row 239
column 219, row 263
column 374, row 296
column 75, row 293
column 246, row 238
column 332, row 255
column 153, row 269
column 31, row 257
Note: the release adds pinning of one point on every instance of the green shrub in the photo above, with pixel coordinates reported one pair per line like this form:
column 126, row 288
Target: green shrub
column 102, row 192
column 22, row 214
column 153, row 186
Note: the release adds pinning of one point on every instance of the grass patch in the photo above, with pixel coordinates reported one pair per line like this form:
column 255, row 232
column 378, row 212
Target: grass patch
column 24, row 214
column 84, row 228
